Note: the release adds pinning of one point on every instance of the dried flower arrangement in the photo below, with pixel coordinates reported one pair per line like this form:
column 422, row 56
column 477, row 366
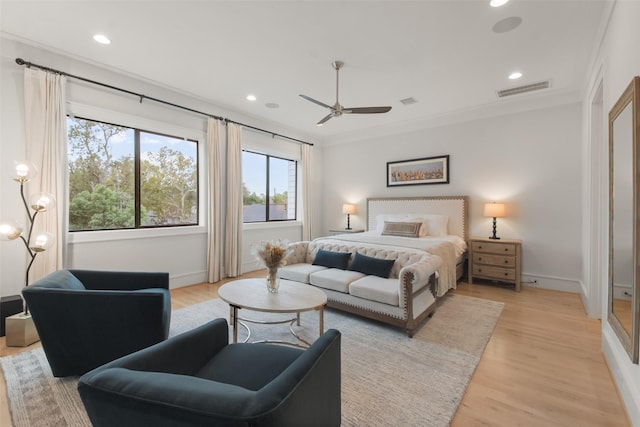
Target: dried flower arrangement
column 272, row 254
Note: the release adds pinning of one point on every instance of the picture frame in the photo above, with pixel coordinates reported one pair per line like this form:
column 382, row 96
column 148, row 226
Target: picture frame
column 423, row 171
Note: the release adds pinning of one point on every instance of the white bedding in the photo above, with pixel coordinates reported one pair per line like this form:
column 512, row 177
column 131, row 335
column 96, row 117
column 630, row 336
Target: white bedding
column 450, row 248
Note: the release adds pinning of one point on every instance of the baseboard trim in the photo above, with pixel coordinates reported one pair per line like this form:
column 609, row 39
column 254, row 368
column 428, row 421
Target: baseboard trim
column 552, row 282
column 187, row 279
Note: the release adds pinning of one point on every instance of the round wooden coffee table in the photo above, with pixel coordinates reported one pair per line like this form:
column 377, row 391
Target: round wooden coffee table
column 292, row 297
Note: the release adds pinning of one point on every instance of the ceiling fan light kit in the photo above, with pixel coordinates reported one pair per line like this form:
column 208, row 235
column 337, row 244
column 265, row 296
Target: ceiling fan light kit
column 337, row 110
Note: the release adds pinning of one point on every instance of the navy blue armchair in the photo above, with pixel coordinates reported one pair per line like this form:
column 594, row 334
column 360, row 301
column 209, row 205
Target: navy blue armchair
column 86, row 318
column 199, row 379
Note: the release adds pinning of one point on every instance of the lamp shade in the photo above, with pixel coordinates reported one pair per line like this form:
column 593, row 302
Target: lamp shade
column 494, row 210
column 348, row 209
column 24, row 171
column 10, row 230
column 40, row 202
column 42, row 242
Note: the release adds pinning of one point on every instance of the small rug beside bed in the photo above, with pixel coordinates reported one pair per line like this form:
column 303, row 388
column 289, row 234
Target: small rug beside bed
column 387, row 378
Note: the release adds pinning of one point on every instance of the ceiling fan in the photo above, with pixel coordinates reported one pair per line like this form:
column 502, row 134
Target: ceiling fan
column 337, row 109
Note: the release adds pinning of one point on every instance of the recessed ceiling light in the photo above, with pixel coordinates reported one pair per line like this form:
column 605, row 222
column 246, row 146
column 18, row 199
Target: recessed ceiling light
column 102, row 39
column 251, row 98
column 498, row 3
column 515, row 76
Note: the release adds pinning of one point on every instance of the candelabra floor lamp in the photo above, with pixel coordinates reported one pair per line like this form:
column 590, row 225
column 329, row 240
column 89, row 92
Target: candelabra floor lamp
column 20, row 329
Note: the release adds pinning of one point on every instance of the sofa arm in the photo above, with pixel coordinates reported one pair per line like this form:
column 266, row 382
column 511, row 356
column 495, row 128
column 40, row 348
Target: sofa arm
column 121, row 280
column 298, row 253
column 419, row 273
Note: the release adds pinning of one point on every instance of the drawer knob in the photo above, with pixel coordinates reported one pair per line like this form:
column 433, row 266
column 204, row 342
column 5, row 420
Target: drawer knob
column 506, row 274
column 479, row 258
column 506, row 249
column 506, row 262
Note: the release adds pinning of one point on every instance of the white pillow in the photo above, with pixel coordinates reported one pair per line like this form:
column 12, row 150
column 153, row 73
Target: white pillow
column 438, row 225
column 424, row 229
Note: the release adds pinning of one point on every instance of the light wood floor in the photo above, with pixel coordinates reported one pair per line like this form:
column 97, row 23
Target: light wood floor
column 542, row 367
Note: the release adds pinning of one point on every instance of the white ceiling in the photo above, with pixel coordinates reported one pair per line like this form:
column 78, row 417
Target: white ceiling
column 442, row 53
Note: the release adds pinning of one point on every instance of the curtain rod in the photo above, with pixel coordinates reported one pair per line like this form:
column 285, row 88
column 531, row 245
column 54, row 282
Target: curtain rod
column 142, row 97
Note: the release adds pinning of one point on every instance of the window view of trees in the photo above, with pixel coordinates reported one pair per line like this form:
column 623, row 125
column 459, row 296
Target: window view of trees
column 103, row 177
column 269, row 188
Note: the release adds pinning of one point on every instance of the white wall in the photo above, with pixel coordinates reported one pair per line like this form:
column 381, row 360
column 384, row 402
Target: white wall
column 530, row 161
column 181, row 252
column 618, row 62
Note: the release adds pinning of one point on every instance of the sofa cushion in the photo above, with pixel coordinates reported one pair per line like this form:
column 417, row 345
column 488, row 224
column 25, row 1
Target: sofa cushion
column 332, row 259
column 370, row 265
column 299, row 272
column 334, row 279
column 375, row 288
column 61, row 279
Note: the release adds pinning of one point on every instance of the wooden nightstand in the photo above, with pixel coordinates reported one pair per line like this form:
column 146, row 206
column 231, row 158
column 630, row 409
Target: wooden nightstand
column 497, row 260
column 344, row 230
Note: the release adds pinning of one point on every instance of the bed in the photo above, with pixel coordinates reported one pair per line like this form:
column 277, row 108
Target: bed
column 445, row 224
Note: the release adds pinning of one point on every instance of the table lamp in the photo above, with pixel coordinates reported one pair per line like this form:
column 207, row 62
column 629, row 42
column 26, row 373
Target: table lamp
column 348, row 209
column 494, row 210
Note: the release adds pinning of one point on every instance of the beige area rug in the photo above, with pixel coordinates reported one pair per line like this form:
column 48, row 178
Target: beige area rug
column 388, row 379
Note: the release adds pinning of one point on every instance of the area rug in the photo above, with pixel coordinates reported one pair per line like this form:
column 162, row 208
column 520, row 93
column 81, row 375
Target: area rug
column 388, row 379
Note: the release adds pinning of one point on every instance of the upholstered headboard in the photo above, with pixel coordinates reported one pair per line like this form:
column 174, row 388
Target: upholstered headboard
column 455, row 207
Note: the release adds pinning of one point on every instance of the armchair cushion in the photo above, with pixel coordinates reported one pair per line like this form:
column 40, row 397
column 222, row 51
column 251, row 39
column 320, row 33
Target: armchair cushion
column 61, row 279
column 248, row 366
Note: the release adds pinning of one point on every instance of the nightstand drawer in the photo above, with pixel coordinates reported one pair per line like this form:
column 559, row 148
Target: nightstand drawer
column 494, row 248
column 497, row 260
column 497, row 273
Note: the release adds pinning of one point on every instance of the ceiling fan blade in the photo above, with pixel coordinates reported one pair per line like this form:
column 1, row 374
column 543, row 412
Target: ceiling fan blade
column 366, row 110
column 322, row 104
column 324, row 119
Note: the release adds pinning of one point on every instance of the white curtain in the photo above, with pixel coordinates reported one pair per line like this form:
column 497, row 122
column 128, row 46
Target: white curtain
column 215, row 154
column 307, row 191
column 233, row 236
column 46, row 147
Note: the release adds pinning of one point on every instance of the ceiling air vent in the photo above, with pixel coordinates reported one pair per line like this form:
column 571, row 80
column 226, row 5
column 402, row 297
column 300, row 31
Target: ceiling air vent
column 523, row 89
column 408, row 101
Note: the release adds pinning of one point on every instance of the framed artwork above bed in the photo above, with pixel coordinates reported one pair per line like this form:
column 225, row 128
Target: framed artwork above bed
column 427, row 170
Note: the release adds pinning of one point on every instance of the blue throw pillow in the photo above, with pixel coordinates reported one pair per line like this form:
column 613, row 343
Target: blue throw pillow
column 332, row 259
column 373, row 266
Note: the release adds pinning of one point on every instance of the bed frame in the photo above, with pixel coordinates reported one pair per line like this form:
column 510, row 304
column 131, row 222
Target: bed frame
column 455, row 207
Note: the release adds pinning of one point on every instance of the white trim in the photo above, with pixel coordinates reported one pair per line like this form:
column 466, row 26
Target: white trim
column 622, row 372
column 551, row 282
column 270, row 225
column 595, row 248
column 132, row 234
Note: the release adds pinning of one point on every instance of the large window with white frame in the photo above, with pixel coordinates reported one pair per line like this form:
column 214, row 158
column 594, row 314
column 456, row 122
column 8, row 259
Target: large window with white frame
column 269, row 186
column 122, row 177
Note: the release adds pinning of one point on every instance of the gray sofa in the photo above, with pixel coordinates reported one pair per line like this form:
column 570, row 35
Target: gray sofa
column 404, row 298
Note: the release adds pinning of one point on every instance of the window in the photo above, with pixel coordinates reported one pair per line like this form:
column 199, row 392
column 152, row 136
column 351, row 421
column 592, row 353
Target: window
column 121, row 177
column 269, row 188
